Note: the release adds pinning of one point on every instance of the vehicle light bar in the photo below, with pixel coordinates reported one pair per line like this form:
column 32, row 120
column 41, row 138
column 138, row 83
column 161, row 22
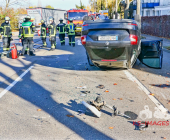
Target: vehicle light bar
column 132, row 24
column 109, row 60
column 83, row 40
column 85, row 25
column 134, row 39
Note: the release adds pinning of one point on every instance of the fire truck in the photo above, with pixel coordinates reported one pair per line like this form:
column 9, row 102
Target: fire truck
column 77, row 16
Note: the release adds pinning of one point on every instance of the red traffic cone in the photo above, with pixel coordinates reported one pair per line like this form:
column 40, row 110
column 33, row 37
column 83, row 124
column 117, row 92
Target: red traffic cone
column 14, row 53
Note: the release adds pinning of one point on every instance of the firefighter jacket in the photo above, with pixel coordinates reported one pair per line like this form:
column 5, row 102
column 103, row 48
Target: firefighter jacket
column 5, row 30
column 61, row 28
column 27, row 29
column 52, row 29
column 71, row 29
column 43, row 30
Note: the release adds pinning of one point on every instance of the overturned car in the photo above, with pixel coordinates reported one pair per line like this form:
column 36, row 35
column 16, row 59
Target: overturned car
column 117, row 44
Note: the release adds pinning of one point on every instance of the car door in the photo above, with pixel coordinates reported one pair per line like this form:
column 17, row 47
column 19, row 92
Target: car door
column 151, row 53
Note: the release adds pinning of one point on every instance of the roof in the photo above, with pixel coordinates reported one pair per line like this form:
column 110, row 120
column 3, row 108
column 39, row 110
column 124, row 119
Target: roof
column 46, row 8
column 111, row 21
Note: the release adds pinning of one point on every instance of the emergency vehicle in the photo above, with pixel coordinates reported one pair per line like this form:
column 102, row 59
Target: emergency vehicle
column 77, row 16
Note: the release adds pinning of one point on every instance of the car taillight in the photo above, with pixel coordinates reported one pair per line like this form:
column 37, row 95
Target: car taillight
column 83, row 40
column 134, row 39
column 85, row 25
column 132, row 24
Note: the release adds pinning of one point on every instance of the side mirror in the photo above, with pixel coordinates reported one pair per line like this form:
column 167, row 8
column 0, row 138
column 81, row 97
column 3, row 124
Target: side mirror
column 65, row 16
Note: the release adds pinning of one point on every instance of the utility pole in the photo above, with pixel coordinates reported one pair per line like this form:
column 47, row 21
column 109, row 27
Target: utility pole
column 116, row 16
column 138, row 16
column 126, row 9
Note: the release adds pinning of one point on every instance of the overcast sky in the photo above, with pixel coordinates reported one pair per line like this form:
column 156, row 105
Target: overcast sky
column 59, row 4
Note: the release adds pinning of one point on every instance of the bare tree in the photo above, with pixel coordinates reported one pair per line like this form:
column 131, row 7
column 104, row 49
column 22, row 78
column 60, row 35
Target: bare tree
column 9, row 3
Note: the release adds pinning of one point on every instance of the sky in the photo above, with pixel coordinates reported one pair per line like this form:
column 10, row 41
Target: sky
column 59, row 4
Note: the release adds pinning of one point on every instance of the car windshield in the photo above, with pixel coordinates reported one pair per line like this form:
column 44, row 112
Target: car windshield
column 77, row 15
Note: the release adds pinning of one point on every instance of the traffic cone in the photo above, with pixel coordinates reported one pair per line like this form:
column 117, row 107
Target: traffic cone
column 19, row 40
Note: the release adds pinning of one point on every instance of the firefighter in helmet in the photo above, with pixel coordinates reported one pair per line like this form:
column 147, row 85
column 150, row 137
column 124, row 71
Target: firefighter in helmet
column 6, row 33
column 71, row 27
column 21, row 37
column 52, row 33
column 27, row 31
column 43, row 33
column 61, row 27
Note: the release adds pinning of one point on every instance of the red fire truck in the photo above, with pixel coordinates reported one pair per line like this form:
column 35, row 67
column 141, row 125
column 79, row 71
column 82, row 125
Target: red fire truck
column 77, row 16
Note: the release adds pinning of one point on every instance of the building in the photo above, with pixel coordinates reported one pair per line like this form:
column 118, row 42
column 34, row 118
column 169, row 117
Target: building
column 153, row 7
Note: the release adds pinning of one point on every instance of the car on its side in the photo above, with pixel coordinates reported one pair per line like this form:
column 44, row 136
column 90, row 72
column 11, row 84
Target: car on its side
column 114, row 43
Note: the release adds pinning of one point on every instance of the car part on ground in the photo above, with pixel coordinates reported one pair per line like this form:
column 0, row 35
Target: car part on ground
column 96, row 105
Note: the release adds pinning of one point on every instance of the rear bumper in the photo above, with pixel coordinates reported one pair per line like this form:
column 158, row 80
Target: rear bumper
column 115, row 64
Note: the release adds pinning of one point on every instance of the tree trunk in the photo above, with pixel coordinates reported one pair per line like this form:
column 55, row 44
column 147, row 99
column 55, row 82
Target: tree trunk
column 126, row 10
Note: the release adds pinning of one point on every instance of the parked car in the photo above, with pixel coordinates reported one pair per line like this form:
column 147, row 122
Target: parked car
column 113, row 43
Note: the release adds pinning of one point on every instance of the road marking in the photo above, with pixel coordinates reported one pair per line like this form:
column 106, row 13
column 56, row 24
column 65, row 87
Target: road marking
column 79, row 42
column 153, row 99
column 14, row 82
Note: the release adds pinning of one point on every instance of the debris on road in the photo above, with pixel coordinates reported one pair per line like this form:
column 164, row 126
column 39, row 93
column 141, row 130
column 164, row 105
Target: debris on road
column 120, row 98
column 96, row 105
column 83, row 95
column 114, row 99
column 85, row 92
column 81, row 87
column 100, row 86
column 38, row 109
column 163, row 137
column 111, row 127
column 143, row 126
column 106, row 91
column 152, row 94
column 115, row 84
column 68, row 115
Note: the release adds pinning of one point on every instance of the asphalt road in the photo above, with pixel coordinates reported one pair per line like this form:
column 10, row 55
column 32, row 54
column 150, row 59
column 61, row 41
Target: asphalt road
column 38, row 104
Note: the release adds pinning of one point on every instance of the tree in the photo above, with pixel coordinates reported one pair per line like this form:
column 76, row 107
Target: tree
column 81, row 6
column 49, row 6
column 9, row 3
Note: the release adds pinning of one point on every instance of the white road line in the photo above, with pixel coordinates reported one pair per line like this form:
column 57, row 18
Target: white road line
column 153, row 99
column 14, row 82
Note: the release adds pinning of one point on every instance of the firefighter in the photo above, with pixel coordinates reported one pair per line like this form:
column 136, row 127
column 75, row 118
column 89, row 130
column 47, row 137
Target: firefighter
column 71, row 27
column 6, row 33
column 52, row 33
column 27, row 31
column 21, row 37
column 43, row 33
column 61, row 28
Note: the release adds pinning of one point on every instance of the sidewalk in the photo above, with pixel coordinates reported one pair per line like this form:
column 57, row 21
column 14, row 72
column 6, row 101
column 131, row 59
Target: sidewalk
column 166, row 42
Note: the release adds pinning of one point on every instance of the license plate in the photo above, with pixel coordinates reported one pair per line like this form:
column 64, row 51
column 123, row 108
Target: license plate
column 108, row 38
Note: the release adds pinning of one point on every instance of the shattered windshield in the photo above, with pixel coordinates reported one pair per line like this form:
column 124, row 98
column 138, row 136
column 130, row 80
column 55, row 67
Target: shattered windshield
column 77, row 15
